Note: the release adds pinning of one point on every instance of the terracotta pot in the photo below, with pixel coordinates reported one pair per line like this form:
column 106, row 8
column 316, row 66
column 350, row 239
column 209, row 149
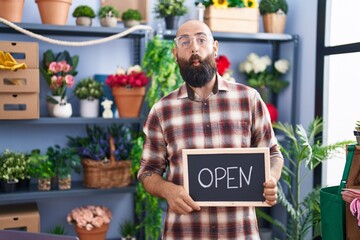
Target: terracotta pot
column 12, row 10
column 94, row 234
column 274, row 22
column 54, row 11
column 128, row 100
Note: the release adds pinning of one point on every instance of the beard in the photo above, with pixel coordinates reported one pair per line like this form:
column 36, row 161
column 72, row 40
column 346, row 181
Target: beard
column 197, row 76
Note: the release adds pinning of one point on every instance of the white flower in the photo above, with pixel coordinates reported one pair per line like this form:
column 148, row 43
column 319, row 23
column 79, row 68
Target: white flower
column 259, row 65
column 246, row 67
column 282, row 65
column 266, row 60
column 135, row 68
column 252, row 57
column 120, row 71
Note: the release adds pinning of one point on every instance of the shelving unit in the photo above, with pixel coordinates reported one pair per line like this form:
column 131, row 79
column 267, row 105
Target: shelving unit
column 37, row 129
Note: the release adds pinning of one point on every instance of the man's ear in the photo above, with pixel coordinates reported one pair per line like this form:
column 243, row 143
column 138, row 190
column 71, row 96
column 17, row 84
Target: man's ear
column 215, row 46
column 174, row 51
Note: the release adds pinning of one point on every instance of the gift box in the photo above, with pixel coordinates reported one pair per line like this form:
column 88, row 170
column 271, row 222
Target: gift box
column 237, row 20
column 23, row 217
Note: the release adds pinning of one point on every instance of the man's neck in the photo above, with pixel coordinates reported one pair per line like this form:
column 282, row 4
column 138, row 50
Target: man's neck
column 205, row 91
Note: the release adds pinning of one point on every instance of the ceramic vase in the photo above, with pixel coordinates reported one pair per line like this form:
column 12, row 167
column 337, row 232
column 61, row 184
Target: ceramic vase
column 83, row 21
column 108, row 21
column 131, row 23
column 89, row 108
column 50, row 105
column 128, row 101
column 93, row 234
column 63, row 110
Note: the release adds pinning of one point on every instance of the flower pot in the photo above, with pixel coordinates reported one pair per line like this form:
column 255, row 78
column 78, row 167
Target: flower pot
column 84, row 21
column 54, row 11
column 44, row 184
column 89, row 108
column 108, row 21
column 12, row 10
column 93, row 234
column 171, row 22
column 23, row 184
column 62, row 110
column 274, row 22
column 128, row 100
column 8, row 186
column 64, row 182
column 131, row 23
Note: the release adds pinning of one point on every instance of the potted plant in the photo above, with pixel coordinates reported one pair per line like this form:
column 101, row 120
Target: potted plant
column 84, row 15
column 128, row 89
column 104, row 155
column 301, row 148
column 90, row 221
column 65, row 160
column 57, row 229
column 42, row 168
column 274, row 15
column 170, row 10
column 131, row 17
column 14, row 167
column 108, row 16
column 59, row 71
column 89, row 91
column 128, row 230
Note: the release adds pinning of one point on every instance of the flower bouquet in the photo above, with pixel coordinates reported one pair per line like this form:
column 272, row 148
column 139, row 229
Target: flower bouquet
column 128, row 89
column 90, row 220
column 59, row 72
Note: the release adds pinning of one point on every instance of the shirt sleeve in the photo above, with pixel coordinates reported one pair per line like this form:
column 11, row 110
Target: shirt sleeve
column 154, row 150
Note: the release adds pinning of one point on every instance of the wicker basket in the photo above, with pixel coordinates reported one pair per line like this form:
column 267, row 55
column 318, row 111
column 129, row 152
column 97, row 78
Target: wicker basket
column 109, row 174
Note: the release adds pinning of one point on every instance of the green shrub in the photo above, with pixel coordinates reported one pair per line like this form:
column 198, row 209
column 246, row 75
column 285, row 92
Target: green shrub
column 83, row 11
column 108, row 10
column 131, row 14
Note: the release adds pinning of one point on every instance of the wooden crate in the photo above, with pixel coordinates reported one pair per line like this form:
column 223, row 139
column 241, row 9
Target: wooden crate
column 237, row 20
column 123, row 5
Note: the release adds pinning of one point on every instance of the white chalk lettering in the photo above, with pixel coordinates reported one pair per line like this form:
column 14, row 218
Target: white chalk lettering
column 241, row 173
column 211, row 175
column 228, row 174
column 217, row 178
column 230, row 178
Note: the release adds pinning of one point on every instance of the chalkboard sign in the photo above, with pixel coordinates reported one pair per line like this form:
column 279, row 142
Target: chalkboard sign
column 226, row 176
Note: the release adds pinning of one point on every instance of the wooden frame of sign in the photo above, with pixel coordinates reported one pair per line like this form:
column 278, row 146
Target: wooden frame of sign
column 226, row 176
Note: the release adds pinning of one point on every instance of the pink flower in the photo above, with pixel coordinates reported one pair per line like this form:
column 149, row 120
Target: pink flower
column 69, row 79
column 52, row 67
column 89, row 217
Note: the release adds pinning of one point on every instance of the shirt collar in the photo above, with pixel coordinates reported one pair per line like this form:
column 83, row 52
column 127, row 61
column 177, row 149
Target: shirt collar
column 185, row 90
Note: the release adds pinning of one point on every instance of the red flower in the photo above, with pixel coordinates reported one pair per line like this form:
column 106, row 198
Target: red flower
column 222, row 63
column 273, row 112
column 134, row 79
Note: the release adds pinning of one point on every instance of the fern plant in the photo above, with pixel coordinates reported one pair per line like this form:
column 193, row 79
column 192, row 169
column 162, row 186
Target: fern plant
column 301, row 147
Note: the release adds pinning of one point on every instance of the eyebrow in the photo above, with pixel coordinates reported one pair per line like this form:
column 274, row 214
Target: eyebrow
column 198, row 33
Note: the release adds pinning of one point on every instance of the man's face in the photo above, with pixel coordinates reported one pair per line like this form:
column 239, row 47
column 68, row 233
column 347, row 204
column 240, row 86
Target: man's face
column 196, row 71
column 195, row 53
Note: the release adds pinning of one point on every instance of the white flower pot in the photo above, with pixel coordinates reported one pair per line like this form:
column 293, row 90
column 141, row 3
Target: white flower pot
column 63, row 110
column 83, row 21
column 108, row 21
column 89, row 108
column 50, row 105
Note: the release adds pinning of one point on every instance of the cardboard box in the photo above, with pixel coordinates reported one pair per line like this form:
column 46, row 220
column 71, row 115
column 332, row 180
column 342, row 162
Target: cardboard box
column 19, row 106
column 22, row 80
column 20, row 216
column 238, row 20
column 27, row 52
column 123, row 5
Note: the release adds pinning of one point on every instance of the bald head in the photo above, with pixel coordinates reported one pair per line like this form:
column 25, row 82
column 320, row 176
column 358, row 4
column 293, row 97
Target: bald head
column 193, row 26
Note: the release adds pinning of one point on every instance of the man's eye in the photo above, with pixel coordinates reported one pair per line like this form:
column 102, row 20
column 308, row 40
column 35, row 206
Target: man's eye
column 202, row 40
column 185, row 43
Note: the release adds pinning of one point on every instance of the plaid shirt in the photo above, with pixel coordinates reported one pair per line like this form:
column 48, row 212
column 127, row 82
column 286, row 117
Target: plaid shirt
column 232, row 116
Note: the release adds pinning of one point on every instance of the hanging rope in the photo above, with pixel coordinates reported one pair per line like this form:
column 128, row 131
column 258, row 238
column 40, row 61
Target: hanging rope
column 76, row 44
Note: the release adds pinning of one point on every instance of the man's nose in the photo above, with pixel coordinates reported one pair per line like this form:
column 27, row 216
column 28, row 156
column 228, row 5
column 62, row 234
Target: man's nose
column 194, row 46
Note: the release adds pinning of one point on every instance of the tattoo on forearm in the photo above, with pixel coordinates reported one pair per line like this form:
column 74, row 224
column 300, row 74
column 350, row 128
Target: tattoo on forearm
column 144, row 175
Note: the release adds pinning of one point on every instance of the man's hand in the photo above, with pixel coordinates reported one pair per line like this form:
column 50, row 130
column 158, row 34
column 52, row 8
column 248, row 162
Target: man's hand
column 179, row 200
column 270, row 191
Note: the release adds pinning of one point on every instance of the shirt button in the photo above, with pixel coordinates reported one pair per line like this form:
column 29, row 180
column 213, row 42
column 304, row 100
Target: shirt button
column 207, row 125
column 205, row 104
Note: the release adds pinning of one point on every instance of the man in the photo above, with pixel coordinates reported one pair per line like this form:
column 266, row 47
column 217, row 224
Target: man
column 205, row 112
